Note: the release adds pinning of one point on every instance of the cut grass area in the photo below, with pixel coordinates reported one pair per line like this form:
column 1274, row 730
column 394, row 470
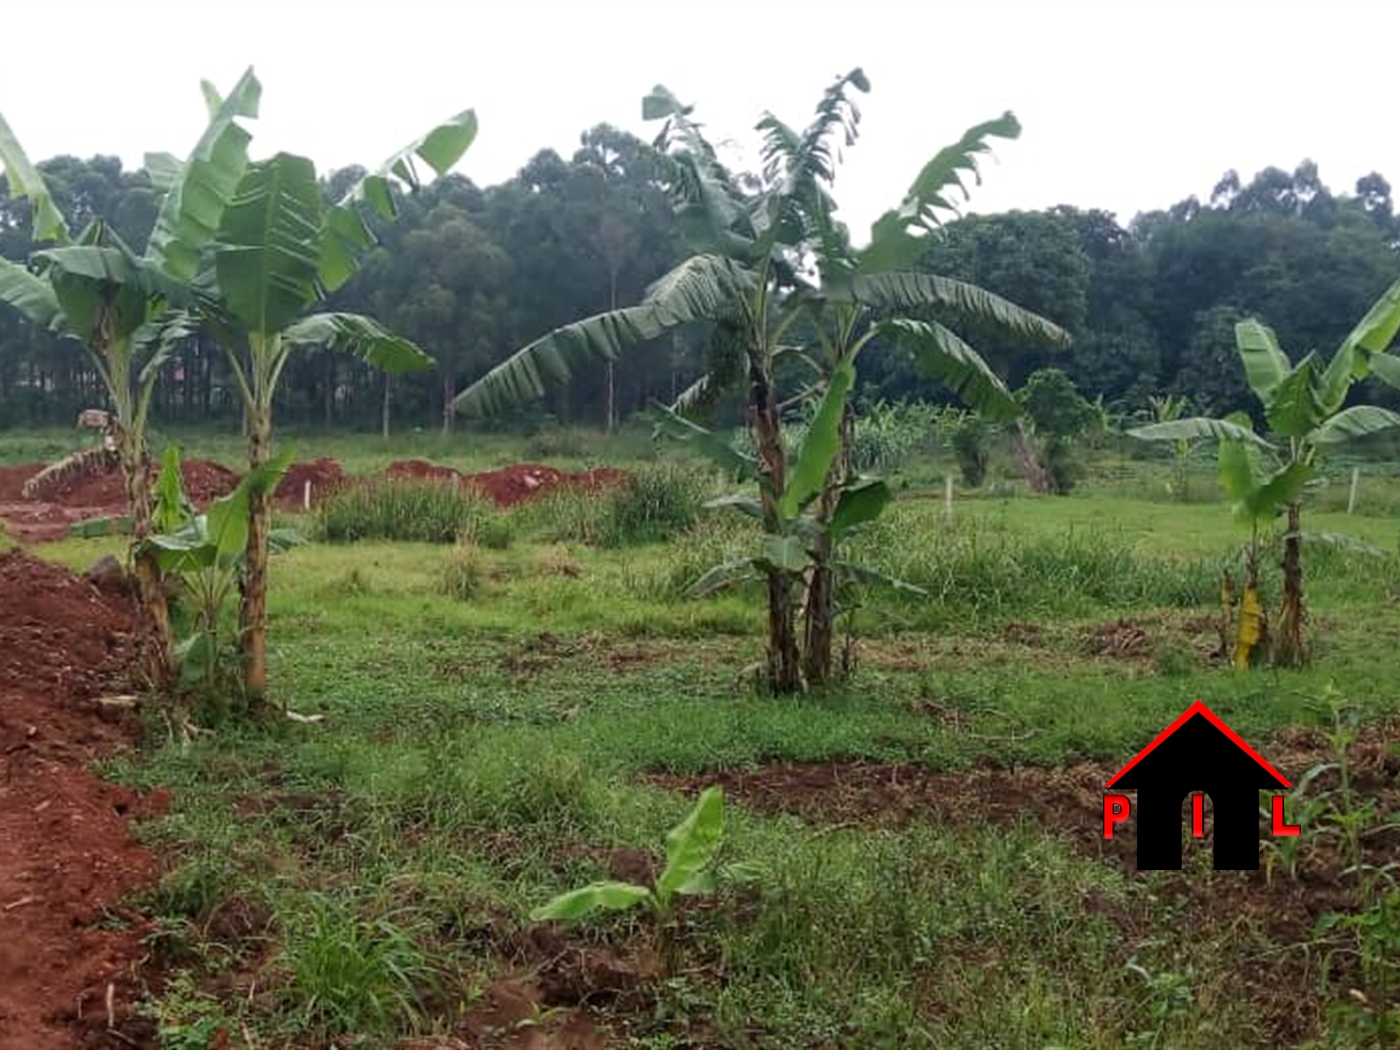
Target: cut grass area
column 486, row 747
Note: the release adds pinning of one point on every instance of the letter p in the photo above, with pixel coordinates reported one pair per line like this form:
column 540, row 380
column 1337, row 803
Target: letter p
column 1115, row 811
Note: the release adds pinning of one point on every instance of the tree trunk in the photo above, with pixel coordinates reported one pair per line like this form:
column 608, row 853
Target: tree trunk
column 446, row 403
column 1289, row 647
column 1035, row 472
column 612, row 398
column 330, row 391
column 152, row 610
column 252, row 613
column 784, row 659
column 820, row 617
column 612, row 380
column 820, row 604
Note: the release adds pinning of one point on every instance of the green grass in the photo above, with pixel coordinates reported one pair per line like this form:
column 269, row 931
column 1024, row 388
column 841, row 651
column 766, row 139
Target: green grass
column 488, row 708
column 367, row 453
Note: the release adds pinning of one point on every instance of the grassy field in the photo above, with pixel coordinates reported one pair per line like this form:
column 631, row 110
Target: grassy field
column 505, row 719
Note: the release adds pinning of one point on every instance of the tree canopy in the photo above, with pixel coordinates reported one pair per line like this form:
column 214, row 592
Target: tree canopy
column 470, row 273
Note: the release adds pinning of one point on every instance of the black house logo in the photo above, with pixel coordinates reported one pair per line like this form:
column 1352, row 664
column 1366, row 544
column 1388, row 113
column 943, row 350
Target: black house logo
column 1197, row 755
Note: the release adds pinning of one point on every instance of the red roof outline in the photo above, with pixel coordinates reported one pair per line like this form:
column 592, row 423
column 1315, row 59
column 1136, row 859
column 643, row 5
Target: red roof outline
column 1199, row 708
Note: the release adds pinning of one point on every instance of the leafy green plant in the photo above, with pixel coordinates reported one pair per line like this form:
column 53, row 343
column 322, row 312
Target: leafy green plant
column 1167, row 1002
column 970, row 446
column 1168, row 409
column 742, row 281
column 206, row 553
column 1059, row 414
column 352, row 973
column 803, row 521
column 692, row 853
column 1304, row 405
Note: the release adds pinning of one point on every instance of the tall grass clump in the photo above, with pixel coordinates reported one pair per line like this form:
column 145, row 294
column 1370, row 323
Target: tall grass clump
column 403, row 509
column 653, row 505
column 350, row 973
column 463, row 571
column 970, row 571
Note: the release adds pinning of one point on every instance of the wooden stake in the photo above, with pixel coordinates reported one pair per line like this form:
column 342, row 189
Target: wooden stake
column 948, row 496
column 1355, row 481
column 306, row 495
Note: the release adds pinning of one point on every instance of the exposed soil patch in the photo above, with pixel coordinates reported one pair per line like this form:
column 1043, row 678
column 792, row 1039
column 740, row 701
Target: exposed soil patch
column 516, row 484
column 104, row 495
column 323, row 475
column 67, row 948
column 421, row 470
column 512, row 485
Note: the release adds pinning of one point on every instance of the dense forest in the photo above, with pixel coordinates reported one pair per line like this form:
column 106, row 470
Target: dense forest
column 472, row 274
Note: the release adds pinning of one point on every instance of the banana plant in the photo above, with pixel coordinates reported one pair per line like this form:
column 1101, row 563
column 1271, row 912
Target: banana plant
column 874, row 295
column 123, row 309
column 750, row 280
column 1166, row 409
column 692, row 854
column 814, row 510
column 258, row 250
column 207, row 553
column 1305, row 406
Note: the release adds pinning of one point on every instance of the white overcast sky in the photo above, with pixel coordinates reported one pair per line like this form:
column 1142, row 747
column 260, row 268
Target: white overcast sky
column 1127, row 104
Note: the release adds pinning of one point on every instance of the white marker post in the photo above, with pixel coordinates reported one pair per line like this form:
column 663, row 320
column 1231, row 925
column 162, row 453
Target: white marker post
column 306, row 495
column 1355, row 481
column 948, row 496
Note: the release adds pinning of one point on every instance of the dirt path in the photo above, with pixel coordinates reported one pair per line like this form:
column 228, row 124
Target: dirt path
column 69, row 953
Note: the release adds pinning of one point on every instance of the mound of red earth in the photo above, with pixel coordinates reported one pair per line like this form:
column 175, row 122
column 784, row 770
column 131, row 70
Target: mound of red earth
column 68, row 973
column 511, row 485
column 421, row 469
column 103, row 495
column 323, row 475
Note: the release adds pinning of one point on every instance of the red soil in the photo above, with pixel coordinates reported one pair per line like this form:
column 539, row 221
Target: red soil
column 418, row 469
column 67, row 948
column 512, row 485
column 325, row 476
column 105, row 495
column 205, row 481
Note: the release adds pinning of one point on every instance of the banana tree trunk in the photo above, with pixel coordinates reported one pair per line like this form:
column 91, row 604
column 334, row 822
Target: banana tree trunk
column 820, row 619
column 152, row 609
column 448, row 385
column 253, row 609
column 1252, row 630
column 819, row 612
column 1290, row 650
column 784, row 659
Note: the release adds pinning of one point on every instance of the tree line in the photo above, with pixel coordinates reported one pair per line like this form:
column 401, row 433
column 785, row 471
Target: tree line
column 471, row 274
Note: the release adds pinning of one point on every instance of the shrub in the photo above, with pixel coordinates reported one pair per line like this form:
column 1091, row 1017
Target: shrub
column 1060, row 463
column 970, row 446
column 551, row 441
column 887, row 435
column 495, row 532
column 402, row 509
column 655, row 504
